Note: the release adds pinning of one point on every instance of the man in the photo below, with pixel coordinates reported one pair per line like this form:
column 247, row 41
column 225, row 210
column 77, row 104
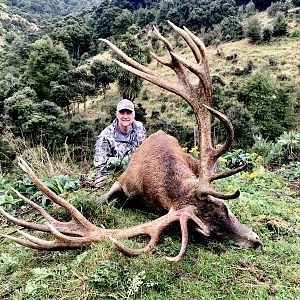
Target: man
column 120, row 139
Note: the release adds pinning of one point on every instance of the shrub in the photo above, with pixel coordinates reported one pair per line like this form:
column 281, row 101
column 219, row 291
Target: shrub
column 276, row 7
column 285, row 149
column 250, row 8
column 239, row 157
column 253, row 29
column 280, row 25
column 231, row 29
column 7, row 154
column 295, row 33
column 270, row 103
column 272, row 62
column 267, row 34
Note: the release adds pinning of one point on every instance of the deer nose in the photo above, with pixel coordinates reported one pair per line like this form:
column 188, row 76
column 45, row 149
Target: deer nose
column 258, row 244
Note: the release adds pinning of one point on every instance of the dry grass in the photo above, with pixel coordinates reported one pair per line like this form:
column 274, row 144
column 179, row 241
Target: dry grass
column 284, row 51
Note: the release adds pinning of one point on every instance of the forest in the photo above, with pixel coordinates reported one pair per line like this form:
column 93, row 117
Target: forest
column 58, row 90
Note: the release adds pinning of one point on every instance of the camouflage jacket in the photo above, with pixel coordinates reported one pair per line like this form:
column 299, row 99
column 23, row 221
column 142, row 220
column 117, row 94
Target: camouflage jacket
column 113, row 143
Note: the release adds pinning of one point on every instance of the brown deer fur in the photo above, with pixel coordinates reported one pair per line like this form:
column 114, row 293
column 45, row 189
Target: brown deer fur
column 165, row 178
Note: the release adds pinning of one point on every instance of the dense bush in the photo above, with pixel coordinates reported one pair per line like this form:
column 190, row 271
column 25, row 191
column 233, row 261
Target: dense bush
column 253, row 29
column 7, row 155
column 279, row 6
column 280, row 25
column 231, row 29
column 267, row 34
column 80, row 132
column 296, row 2
column 272, row 117
column 285, row 149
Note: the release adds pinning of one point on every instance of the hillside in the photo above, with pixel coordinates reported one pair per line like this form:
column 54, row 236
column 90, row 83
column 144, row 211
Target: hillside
column 279, row 58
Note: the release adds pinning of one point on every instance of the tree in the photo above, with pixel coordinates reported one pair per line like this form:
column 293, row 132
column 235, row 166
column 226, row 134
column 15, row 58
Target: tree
column 104, row 20
column 38, row 122
column 231, row 29
column 122, row 22
column 250, row 8
column 280, row 25
column 269, row 102
column 83, row 84
column 253, row 29
column 129, row 85
column 19, row 108
column 61, row 95
column 46, row 62
column 74, row 33
column 103, row 74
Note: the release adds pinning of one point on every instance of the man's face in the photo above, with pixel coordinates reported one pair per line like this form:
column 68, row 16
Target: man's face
column 125, row 117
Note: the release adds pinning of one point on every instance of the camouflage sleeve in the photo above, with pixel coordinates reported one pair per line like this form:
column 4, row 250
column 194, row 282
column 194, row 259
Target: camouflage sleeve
column 102, row 153
column 141, row 134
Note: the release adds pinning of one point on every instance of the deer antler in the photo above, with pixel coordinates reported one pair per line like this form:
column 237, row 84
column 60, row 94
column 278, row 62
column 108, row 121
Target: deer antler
column 79, row 232
column 198, row 96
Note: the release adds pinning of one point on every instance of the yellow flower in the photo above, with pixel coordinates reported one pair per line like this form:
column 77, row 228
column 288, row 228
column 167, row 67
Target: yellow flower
column 297, row 210
column 254, row 155
column 262, row 181
column 194, row 151
column 222, row 160
column 261, row 217
column 184, row 149
column 258, row 159
column 277, row 182
column 245, row 175
column 229, row 187
column 253, row 175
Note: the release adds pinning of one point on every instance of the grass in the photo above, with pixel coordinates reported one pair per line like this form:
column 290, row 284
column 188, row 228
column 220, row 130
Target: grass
column 210, row 270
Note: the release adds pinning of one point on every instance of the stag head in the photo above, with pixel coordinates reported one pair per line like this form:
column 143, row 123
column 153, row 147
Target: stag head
column 187, row 196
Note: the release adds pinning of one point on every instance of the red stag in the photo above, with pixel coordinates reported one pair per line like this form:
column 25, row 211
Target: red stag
column 159, row 172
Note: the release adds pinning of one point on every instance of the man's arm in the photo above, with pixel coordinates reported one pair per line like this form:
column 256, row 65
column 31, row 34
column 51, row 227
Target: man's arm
column 141, row 132
column 102, row 153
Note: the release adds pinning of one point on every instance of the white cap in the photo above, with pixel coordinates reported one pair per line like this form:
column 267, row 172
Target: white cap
column 125, row 104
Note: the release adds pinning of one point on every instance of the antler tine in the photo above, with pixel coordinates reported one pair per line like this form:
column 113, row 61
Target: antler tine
column 163, row 39
column 157, row 80
column 197, row 69
column 228, row 173
column 21, row 242
column 154, row 229
column 199, row 44
column 35, row 206
column 134, row 252
column 184, row 241
column 229, row 128
column 188, row 40
column 211, row 192
column 161, row 61
column 23, row 223
column 76, row 215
